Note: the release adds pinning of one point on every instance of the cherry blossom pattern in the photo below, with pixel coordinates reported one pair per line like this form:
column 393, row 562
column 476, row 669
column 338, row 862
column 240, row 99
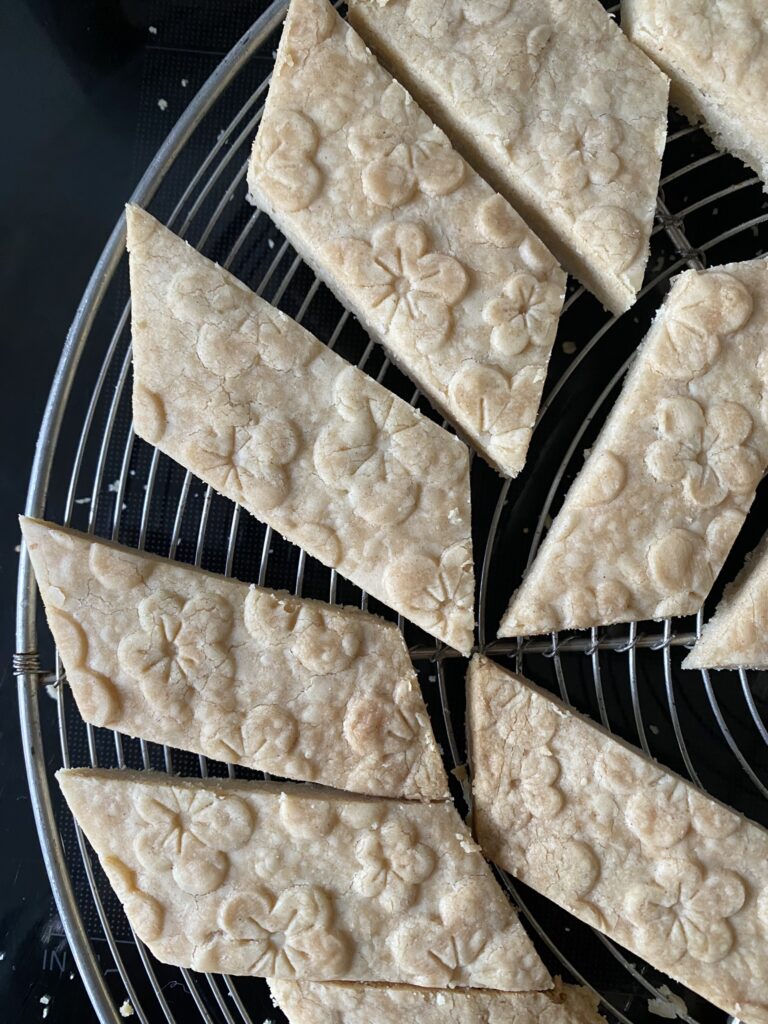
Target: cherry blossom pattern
column 685, row 911
column 179, row 649
column 402, row 152
column 285, row 935
column 525, row 314
column 248, row 462
column 705, row 450
column 409, row 289
column 579, row 155
column 503, row 227
column 381, row 724
column 191, row 833
column 499, row 406
column 705, row 308
column 265, row 735
column 366, row 450
column 323, row 646
column 393, row 864
column 429, row 588
column 285, row 148
column 659, row 815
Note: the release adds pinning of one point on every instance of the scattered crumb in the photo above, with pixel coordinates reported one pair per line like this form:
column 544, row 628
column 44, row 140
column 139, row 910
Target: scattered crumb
column 569, row 348
column 45, row 1000
column 83, row 501
column 126, row 1010
column 50, row 690
column 163, row 104
column 17, row 549
column 460, row 773
column 114, row 486
column 153, row 30
column 71, row 975
column 46, row 1010
column 271, row 243
column 526, row 529
column 440, row 999
column 654, row 729
column 2, row 956
column 668, row 1005
column 184, row 83
column 467, row 845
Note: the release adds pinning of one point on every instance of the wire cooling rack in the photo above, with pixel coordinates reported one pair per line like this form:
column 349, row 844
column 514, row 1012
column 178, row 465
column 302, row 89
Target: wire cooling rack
column 91, row 471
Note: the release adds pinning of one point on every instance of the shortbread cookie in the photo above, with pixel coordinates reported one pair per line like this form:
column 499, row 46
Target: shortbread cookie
column 620, row 841
column 294, row 687
column 648, row 523
column 737, row 635
column 716, row 54
column 317, row 1002
column 555, row 108
column 432, row 261
column 258, row 408
column 290, row 881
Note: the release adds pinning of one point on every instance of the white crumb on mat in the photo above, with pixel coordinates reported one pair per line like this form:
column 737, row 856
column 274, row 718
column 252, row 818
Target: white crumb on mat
column 569, row 347
column 654, row 729
column 17, row 549
column 184, row 83
column 126, row 1010
column 46, row 1011
column 153, row 30
column 163, row 104
column 271, row 243
column 114, row 486
column 45, row 1000
column 667, row 1004
column 83, row 501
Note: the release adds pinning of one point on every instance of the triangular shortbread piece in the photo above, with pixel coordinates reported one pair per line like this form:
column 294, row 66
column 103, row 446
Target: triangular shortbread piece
column 650, row 519
column 317, row 1002
column 717, row 57
column 433, row 262
column 285, row 881
column 298, row 688
column 258, row 408
column 555, row 108
column 737, row 634
column 619, row 841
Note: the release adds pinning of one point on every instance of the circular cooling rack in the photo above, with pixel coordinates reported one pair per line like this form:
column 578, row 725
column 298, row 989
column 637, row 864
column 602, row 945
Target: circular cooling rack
column 92, row 472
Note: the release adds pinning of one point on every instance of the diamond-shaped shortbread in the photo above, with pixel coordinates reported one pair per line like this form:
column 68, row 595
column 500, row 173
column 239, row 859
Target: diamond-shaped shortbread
column 258, row 408
column 432, row 261
column 316, row 1002
column 647, row 524
column 619, row 841
column 554, row 106
column 298, row 688
column 291, row 881
column 737, row 634
column 716, row 53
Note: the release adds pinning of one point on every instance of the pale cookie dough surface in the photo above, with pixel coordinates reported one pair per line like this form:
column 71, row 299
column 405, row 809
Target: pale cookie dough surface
column 432, row 261
column 716, row 53
column 647, row 524
column 259, row 409
column 242, row 674
column 312, row 1002
column 554, row 106
column 737, row 634
column 619, row 841
column 283, row 881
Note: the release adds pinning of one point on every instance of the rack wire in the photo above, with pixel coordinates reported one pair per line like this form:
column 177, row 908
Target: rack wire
column 626, row 677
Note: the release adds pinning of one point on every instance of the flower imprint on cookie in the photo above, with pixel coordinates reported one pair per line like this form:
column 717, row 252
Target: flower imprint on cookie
column 659, row 815
column 525, row 314
column 286, row 146
column 410, row 290
column 580, row 155
column 685, row 911
column 320, row 647
column 393, row 864
column 439, row 951
column 191, row 833
column 285, row 936
column 500, row 225
column 97, row 697
column 381, row 723
column 431, row 588
column 402, row 152
column 191, row 298
column 365, row 450
column 707, row 308
column 268, row 733
column 181, row 648
column 248, row 462
column 144, row 912
column 537, row 783
column 498, row 405
column 678, row 565
column 704, row 449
